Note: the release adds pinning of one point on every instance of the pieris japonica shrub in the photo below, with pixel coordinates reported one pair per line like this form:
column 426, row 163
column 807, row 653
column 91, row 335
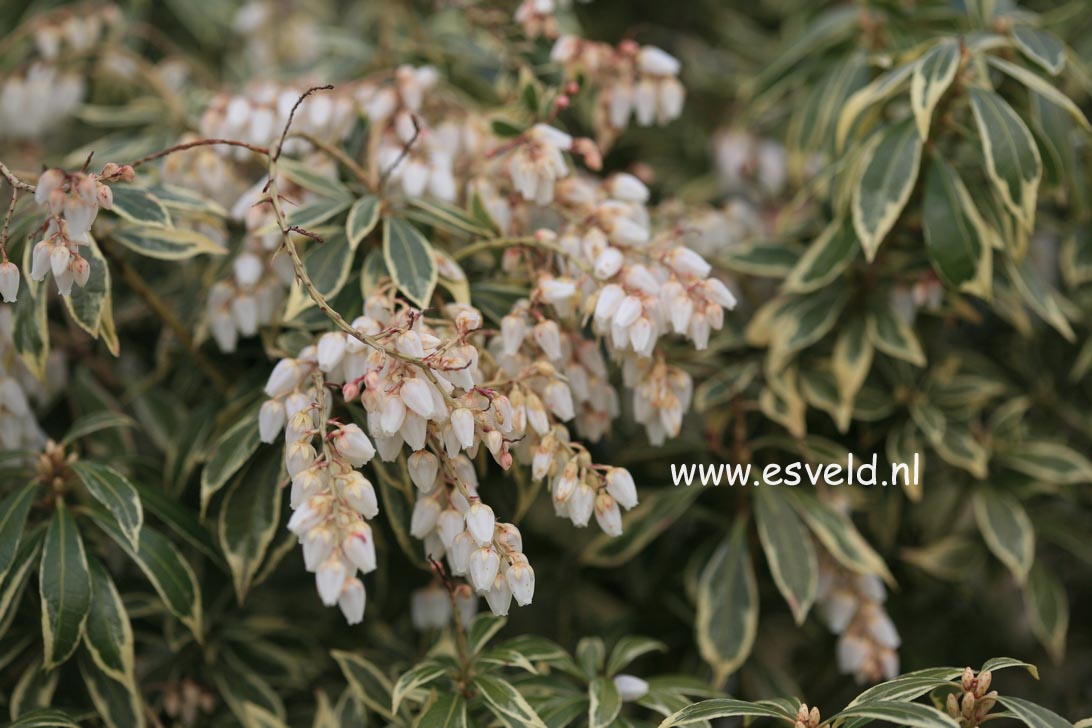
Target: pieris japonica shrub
column 348, row 351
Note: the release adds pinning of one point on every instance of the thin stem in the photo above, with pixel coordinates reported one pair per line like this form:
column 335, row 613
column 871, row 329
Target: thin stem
column 292, row 115
column 7, row 224
column 161, row 309
column 403, row 154
column 264, row 151
column 15, row 181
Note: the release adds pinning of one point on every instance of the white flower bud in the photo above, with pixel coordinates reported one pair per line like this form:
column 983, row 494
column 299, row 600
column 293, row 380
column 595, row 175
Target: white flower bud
column 299, row 456
column 462, row 424
column 39, row 266
column 330, row 578
column 484, row 566
column 359, row 493
column 58, row 259
column 608, row 515
column 50, row 180
column 393, row 414
column 621, row 487
column 353, row 445
column 560, row 400
column 608, row 263
column 309, row 515
column 581, row 505
column 459, row 556
column 513, row 329
column 548, row 337
column 631, row 688
column 627, row 188
column 450, row 524
column 480, row 522
column 415, row 393
column 423, row 467
column 521, row 580
column 628, row 311
column 352, row 601
column 499, row 597
column 318, row 543
column 653, row 60
column 271, row 419
column 331, row 350
column 360, row 548
column 9, row 281
column 285, row 377
column 610, row 299
column 426, row 512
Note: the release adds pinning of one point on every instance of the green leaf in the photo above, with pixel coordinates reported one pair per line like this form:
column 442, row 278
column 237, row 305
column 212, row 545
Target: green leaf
column 1001, row 663
column 893, row 160
column 605, row 703
column 1012, row 158
column 313, row 213
column 850, row 361
column 166, row 243
column 94, row 422
column 65, row 587
column 372, row 272
column 657, row 510
column 724, row 385
column 13, row 516
column 117, row 702
column 1047, row 608
column 933, row 74
column 46, row 718
column 108, row 634
column 169, row 573
column 957, row 238
column 909, row 686
column 959, row 447
column 1007, row 530
column 628, row 649
column 483, row 629
column 789, row 551
column 229, row 452
column 506, row 703
column 505, row 129
column 410, row 261
column 416, row 677
column 1041, row 47
column 11, row 588
column 443, row 711
column 1032, row 715
column 369, row 684
column 447, row 217
column 727, row 605
column 1043, row 88
column 708, row 710
column 840, row 537
column 87, row 303
column 363, row 217
column 804, row 320
column 1039, row 295
column 113, row 490
column 893, row 336
column 912, row 715
column 138, row 205
column 34, row 689
column 301, row 174
column 249, row 517
column 1051, row 462
column 881, row 89
column 590, row 656
column 328, row 265
column 30, row 328
column 826, row 258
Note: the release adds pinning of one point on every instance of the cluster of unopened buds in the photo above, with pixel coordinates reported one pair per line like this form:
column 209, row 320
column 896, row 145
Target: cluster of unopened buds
column 73, row 201
column 976, row 700
column 634, row 80
column 806, row 718
column 852, row 606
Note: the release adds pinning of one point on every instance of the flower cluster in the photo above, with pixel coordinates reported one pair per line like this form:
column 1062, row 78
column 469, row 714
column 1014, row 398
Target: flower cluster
column 852, row 606
column 444, row 389
column 634, row 81
column 259, row 115
column 73, row 201
column 45, row 93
